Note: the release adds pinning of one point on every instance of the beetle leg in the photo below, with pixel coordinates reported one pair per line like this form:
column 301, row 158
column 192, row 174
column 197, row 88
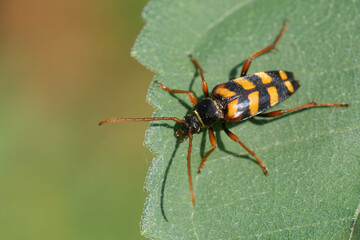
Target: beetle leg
column 236, row 139
column 203, row 81
column 304, row 106
column 207, row 154
column 262, row 51
column 174, row 91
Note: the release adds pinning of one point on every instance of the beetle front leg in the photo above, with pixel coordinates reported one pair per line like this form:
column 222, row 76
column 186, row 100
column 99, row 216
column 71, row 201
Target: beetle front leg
column 191, row 96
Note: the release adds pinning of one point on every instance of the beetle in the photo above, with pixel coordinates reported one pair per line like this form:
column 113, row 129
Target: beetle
column 234, row 101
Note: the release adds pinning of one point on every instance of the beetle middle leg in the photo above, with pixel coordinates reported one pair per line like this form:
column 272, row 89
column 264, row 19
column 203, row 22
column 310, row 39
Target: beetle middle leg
column 203, row 81
column 236, row 139
column 264, row 50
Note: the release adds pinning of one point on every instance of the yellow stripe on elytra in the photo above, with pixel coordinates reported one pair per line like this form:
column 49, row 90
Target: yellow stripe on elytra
column 246, row 84
column 283, row 75
column 274, row 97
column 254, row 102
column 265, row 78
column 289, row 86
column 232, row 108
column 224, row 92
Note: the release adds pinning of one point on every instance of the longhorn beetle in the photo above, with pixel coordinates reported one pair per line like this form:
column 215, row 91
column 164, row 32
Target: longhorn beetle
column 233, row 101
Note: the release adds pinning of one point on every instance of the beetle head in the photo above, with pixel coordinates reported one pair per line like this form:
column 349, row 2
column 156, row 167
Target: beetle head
column 190, row 123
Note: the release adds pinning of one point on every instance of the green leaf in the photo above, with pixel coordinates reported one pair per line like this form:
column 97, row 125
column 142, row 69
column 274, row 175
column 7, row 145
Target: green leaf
column 313, row 188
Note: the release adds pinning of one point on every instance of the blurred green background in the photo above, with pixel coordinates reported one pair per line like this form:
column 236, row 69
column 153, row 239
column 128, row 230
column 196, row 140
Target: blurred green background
column 64, row 66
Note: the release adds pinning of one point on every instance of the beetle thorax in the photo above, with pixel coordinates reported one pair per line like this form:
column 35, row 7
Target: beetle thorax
column 208, row 112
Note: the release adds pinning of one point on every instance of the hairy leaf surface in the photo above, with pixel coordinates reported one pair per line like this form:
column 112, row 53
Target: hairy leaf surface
column 313, row 157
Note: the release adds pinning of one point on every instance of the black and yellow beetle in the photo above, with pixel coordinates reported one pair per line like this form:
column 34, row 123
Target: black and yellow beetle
column 234, row 101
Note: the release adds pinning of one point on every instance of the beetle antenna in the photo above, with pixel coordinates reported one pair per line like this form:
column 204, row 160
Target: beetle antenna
column 111, row 120
column 189, row 168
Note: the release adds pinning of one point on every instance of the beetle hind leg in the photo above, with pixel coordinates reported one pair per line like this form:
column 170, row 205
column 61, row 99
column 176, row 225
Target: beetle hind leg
column 304, row 106
column 264, row 50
